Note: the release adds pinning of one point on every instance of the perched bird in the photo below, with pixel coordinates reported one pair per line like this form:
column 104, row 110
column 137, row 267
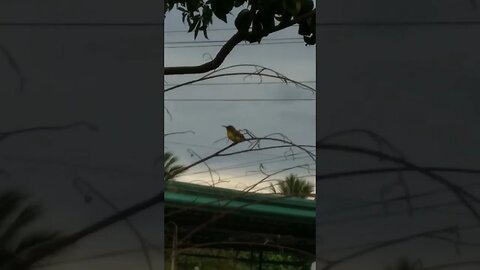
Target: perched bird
column 234, row 135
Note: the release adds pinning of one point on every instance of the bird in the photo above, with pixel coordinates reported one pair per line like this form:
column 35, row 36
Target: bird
column 234, row 135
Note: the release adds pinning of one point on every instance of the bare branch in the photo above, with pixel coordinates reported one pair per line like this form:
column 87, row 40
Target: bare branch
column 13, row 64
column 46, row 250
column 213, row 64
column 386, row 244
column 179, row 132
column 289, row 144
column 459, row 192
column 55, row 246
column 210, row 170
column 379, row 139
column 4, row 135
column 232, row 198
column 331, row 176
column 78, row 181
column 259, row 72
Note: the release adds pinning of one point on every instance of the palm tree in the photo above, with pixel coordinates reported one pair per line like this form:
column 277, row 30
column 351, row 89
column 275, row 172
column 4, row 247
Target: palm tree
column 293, row 186
column 170, row 168
column 404, row 263
column 15, row 242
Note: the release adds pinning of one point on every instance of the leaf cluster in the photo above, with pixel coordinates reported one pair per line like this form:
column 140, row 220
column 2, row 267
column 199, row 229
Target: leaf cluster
column 256, row 17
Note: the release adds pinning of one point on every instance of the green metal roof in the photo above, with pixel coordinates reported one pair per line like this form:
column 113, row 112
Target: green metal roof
column 212, row 198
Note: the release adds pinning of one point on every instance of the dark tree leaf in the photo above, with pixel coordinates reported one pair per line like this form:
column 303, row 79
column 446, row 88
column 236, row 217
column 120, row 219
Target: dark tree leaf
column 194, row 23
column 197, row 28
column 221, row 8
column 183, row 17
column 310, row 40
column 182, row 9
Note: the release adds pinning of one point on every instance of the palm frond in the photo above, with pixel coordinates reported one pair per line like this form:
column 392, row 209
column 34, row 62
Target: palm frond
column 35, row 239
column 26, row 216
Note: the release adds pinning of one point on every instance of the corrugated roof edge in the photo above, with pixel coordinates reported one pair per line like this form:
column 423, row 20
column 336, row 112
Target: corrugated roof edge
column 224, row 193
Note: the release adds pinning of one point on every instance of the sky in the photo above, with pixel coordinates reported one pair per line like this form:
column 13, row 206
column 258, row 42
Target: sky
column 415, row 84
column 110, row 76
column 262, row 108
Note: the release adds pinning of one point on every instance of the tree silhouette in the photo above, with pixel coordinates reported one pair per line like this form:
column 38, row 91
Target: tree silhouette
column 15, row 241
column 170, row 167
column 255, row 20
column 293, row 186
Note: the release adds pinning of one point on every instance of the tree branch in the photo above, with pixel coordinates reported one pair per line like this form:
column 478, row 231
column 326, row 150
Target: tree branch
column 13, row 64
column 259, row 72
column 215, row 63
column 334, row 175
column 55, row 246
column 4, row 135
column 227, row 49
column 386, row 244
column 459, row 192
column 78, row 181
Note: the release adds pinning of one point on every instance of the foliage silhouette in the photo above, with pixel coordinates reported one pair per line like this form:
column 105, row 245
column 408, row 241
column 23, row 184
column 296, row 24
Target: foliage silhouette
column 255, row 18
column 15, row 241
column 170, row 167
column 293, row 186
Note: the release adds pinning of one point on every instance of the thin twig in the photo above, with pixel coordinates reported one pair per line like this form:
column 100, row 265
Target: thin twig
column 275, row 76
column 386, row 244
column 6, row 134
column 131, row 226
column 13, row 64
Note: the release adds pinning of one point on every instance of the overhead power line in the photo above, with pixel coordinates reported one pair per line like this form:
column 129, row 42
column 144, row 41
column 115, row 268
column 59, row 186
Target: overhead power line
column 136, row 24
column 241, row 99
column 211, row 30
column 398, row 23
column 223, row 41
column 240, row 44
column 55, row 24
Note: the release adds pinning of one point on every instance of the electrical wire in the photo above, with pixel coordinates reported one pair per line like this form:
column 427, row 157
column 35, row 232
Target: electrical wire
column 239, row 44
column 144, row 24
column 223, row 41
column 242, row 99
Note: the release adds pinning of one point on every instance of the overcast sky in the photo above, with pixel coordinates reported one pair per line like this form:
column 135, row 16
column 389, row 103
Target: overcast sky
column 289, row 110
column 417, row 85
column 107, row 75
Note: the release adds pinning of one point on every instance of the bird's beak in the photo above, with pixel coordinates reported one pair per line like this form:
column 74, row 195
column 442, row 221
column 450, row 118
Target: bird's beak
column 224, row 126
